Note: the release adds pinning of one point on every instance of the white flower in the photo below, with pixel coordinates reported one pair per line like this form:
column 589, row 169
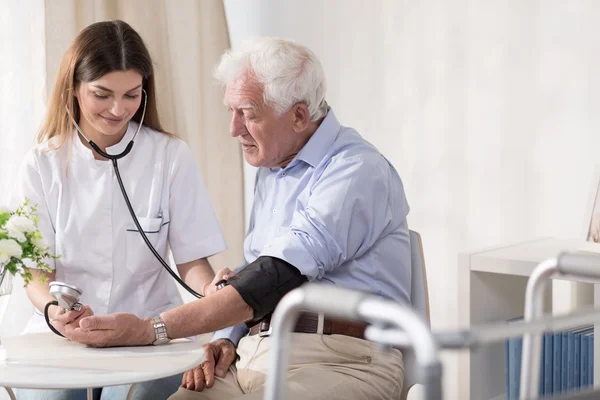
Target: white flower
column 9, row 248
column 20, row 237
column 17, row 225
column 20, row 223
column 39, row 242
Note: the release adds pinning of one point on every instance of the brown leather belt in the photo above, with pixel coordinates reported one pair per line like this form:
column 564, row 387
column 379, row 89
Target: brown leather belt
column 308, row 323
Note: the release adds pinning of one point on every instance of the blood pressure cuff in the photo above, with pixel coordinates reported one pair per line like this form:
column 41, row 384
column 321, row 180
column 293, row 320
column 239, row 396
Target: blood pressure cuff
column 264, row 282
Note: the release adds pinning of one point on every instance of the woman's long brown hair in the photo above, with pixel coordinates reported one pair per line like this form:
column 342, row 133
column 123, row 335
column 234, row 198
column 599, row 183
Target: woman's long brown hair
column 99, row 49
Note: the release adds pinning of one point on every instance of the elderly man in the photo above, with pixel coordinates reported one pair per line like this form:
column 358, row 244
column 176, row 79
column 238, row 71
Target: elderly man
column 327, row 206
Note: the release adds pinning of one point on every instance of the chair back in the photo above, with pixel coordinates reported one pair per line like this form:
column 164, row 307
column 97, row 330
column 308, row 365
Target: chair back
column 419, row 298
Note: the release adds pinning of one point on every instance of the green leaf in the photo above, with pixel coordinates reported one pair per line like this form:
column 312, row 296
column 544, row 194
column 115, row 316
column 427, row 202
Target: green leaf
column 3, row 218
column 27, row 246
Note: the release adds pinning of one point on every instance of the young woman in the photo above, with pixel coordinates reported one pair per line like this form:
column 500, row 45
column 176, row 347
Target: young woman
column 105, row 93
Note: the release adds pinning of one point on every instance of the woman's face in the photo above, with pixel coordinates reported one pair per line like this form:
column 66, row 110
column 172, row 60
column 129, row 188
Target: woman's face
column 107, row 104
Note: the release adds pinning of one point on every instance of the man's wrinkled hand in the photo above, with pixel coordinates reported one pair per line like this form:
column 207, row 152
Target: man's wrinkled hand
column 120, row 329
column 218, row 357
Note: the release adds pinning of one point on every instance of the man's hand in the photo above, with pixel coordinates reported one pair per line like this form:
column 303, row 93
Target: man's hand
column 120, row 329
column 222, row 274
column 218, row 357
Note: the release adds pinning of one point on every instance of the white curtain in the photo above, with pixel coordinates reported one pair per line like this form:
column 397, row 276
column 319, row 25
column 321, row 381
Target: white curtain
column 22, row 105
column 486, row 108
column 22, row 83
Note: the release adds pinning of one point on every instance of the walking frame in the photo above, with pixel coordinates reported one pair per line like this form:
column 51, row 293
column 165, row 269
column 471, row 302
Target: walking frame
column 392, row 324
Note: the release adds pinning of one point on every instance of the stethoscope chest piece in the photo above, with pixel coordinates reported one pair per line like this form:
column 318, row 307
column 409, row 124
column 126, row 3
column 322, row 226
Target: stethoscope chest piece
column 66, row 295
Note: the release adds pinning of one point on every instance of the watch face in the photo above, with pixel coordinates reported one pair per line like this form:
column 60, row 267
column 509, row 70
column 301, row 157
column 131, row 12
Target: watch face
column 160, row 331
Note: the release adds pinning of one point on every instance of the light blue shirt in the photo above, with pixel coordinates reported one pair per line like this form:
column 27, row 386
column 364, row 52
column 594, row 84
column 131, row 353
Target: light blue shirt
column 337, row 212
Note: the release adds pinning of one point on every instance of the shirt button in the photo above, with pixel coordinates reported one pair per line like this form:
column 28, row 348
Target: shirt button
column 274, row 211
column 284, row 173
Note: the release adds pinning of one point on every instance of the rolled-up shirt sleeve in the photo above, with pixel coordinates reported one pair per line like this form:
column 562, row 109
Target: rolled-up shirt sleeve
column 346, row 213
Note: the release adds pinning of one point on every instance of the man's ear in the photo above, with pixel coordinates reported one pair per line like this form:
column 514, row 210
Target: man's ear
column 301, row 117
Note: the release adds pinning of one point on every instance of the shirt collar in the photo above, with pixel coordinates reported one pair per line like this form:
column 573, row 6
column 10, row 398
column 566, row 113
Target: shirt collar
column 320, row 142
column 114, row 149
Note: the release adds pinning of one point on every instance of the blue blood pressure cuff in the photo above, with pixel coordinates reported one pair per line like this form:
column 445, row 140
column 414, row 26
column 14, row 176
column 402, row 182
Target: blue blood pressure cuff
column 264, row 282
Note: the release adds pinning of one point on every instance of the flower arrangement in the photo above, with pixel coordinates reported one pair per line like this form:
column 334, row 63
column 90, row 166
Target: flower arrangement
column 22, row 245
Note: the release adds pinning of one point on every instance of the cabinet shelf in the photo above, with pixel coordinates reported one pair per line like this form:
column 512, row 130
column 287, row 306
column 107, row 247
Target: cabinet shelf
column 491, row 287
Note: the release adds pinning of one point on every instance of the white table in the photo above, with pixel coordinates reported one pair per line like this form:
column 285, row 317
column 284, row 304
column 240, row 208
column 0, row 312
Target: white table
column 46, row 361
column 492, row 288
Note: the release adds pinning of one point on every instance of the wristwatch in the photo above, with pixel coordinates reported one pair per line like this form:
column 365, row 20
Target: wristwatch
column 160, row 331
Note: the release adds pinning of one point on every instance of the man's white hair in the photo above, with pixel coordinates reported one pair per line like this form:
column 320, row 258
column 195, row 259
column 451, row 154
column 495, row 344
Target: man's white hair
column 289, row 73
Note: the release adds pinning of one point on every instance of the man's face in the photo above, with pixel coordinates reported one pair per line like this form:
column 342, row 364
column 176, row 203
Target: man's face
column 267, row 140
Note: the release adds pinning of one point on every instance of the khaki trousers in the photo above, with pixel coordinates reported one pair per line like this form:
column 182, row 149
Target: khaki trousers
column 321, row 367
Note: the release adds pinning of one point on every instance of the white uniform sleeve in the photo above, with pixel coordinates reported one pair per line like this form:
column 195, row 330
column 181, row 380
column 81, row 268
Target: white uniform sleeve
column 194, row 231
column 29, row 186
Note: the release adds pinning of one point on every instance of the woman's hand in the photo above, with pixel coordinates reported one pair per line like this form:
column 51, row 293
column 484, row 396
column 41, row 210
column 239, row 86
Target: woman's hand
column 65, row 317
column 55, row 311
column 222, row 274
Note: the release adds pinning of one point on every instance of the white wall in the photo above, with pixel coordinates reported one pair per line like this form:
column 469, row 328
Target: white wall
column 486, row 108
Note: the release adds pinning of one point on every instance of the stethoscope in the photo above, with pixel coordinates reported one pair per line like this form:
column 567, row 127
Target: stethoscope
column 67, row 296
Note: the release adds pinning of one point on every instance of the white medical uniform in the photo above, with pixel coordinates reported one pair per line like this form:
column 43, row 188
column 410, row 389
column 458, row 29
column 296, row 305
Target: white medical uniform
column 85, row 220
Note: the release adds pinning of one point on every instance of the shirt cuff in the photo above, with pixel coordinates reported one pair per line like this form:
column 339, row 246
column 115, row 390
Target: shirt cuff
column 233, row 333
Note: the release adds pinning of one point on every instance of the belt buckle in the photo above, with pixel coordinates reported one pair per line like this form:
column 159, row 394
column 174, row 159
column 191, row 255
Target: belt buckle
column 262, row 332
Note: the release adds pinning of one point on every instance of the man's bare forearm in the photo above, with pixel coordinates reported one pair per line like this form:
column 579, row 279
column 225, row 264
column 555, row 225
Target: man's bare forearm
column 217, row 311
